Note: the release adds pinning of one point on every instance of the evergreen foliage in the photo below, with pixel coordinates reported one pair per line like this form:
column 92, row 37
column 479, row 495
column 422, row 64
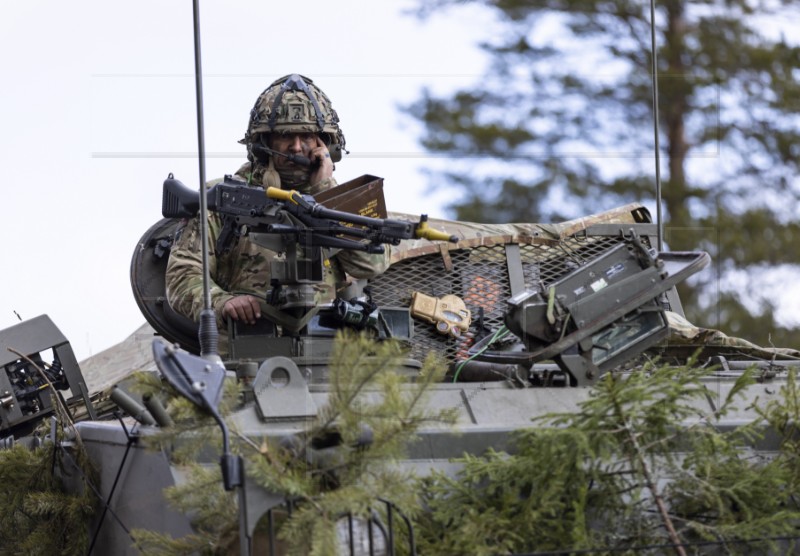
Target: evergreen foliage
column 783, row 416
column 194, row 434
column 560, row 125
column 640, row 465
column 367, row 394
column 193, row 430
column 214, row 517
column 38, row 515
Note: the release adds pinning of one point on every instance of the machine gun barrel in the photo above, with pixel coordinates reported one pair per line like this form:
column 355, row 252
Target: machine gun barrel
column 386, row 230
column 399, row 228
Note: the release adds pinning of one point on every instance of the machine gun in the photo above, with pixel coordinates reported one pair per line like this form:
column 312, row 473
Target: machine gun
column 278, row 211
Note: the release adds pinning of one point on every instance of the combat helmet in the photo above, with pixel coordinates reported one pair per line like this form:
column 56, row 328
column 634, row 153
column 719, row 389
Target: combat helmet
column 293, row 104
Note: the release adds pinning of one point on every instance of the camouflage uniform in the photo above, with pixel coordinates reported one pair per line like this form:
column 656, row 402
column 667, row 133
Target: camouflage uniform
column 245, row 269
column 291, row 104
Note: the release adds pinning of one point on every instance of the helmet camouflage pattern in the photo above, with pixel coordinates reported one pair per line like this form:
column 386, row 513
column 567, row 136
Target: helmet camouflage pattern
column 293, row 104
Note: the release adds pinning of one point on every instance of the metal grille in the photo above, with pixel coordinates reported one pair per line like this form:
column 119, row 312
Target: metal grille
column 551, row 263
column 480, row 277
column 385, row 533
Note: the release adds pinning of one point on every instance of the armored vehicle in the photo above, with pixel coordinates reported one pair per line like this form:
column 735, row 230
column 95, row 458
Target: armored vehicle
column 527, row 317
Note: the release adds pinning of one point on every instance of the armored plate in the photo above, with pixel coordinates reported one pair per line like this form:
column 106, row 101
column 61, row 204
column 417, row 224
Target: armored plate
column 148, row 270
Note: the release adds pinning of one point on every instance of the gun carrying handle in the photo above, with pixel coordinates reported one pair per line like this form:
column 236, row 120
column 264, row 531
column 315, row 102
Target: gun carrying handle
column 281, row 194
column 426, row 232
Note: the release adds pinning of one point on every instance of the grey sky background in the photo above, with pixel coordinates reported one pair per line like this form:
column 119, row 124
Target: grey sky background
column 98, row 106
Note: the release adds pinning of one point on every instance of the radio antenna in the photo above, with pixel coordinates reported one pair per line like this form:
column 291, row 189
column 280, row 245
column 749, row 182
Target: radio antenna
column 654, row 59
column 232, row 466
column 207, row 334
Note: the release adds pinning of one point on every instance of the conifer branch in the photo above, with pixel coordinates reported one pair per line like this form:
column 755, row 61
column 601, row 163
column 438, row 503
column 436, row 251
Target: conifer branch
column 638, row 457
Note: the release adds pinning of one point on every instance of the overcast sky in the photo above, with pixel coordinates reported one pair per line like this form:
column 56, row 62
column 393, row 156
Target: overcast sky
column 98, row 106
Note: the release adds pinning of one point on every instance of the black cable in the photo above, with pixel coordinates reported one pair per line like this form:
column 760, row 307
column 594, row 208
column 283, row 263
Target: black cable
column 107, row 503
column 96, row 492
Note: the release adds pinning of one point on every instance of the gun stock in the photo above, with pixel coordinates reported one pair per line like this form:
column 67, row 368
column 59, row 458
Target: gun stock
column 178, row 200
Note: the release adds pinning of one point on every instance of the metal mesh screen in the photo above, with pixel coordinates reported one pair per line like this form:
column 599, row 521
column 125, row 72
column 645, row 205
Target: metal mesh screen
column 480, row 277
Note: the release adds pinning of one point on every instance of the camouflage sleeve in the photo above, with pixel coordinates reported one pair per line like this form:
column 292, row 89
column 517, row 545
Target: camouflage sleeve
column 681, row 331
column 359, row 264
column 184, row 277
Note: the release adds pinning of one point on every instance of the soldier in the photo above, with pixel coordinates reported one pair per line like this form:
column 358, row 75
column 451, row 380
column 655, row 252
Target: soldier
column 291, row 117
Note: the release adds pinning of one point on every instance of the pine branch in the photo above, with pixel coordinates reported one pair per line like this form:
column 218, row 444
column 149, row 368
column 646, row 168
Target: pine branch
column 639, row 461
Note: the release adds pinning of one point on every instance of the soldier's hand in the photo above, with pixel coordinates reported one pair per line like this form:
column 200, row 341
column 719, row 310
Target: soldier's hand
column 242, row 307
column 322, row 157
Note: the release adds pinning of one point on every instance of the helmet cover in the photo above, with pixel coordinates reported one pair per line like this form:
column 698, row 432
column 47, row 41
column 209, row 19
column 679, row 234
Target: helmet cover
column 293, row 104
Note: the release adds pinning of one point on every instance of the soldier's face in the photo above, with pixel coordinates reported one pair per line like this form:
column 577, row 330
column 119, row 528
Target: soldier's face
column 293, row 143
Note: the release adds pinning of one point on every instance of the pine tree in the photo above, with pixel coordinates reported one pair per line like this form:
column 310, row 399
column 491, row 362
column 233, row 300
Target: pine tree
column 638, row 466
column 39, row 514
